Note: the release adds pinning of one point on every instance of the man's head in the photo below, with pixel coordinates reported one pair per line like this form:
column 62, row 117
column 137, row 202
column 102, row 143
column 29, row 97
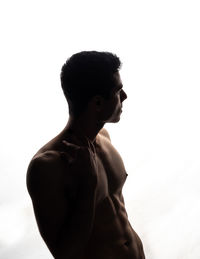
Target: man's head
column 88, row 74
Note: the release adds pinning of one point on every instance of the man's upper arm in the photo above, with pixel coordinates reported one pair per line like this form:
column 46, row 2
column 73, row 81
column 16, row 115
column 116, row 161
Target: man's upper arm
column 64, row 224
column 45, row 184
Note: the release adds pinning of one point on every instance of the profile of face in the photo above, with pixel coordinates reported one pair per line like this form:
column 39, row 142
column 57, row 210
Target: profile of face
column 112, row 107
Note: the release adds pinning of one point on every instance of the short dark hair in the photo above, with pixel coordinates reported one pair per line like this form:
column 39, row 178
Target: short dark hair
column 86, row 74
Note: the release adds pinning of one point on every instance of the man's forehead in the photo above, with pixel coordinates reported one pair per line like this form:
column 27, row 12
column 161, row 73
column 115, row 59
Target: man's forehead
column 118, row 81
column 117, row 76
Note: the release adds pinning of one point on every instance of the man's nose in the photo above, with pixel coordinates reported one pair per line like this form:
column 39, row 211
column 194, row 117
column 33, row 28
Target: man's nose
column 123, row 95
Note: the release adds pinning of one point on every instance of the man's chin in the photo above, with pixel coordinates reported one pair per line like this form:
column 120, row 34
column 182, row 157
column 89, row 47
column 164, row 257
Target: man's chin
column 115, row 120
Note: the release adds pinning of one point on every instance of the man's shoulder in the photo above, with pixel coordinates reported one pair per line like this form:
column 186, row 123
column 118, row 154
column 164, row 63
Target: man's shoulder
column 105, row 144
column 44, row 169
column 44, row 159
column 104, row 133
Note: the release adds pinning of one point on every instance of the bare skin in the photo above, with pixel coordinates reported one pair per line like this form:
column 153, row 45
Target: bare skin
column 75, row 182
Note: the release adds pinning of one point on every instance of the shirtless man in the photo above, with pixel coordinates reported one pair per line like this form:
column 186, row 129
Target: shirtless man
column 75, row 181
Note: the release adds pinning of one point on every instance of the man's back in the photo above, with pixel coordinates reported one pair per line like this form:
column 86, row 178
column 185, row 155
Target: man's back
column 81, row 207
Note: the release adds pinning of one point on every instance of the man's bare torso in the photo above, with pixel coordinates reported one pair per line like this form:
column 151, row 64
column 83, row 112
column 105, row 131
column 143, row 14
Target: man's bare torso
column 112, row 236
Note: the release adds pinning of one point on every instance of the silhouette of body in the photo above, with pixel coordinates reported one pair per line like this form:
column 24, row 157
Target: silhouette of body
column 75, row 182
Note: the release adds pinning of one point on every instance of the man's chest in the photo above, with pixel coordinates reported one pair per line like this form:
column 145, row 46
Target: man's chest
column 111, row 172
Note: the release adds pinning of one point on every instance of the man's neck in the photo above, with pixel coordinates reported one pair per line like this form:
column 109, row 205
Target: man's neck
column 84, row 127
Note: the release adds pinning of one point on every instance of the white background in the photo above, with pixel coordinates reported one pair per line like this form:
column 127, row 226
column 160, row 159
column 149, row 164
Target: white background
column 159, row 132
